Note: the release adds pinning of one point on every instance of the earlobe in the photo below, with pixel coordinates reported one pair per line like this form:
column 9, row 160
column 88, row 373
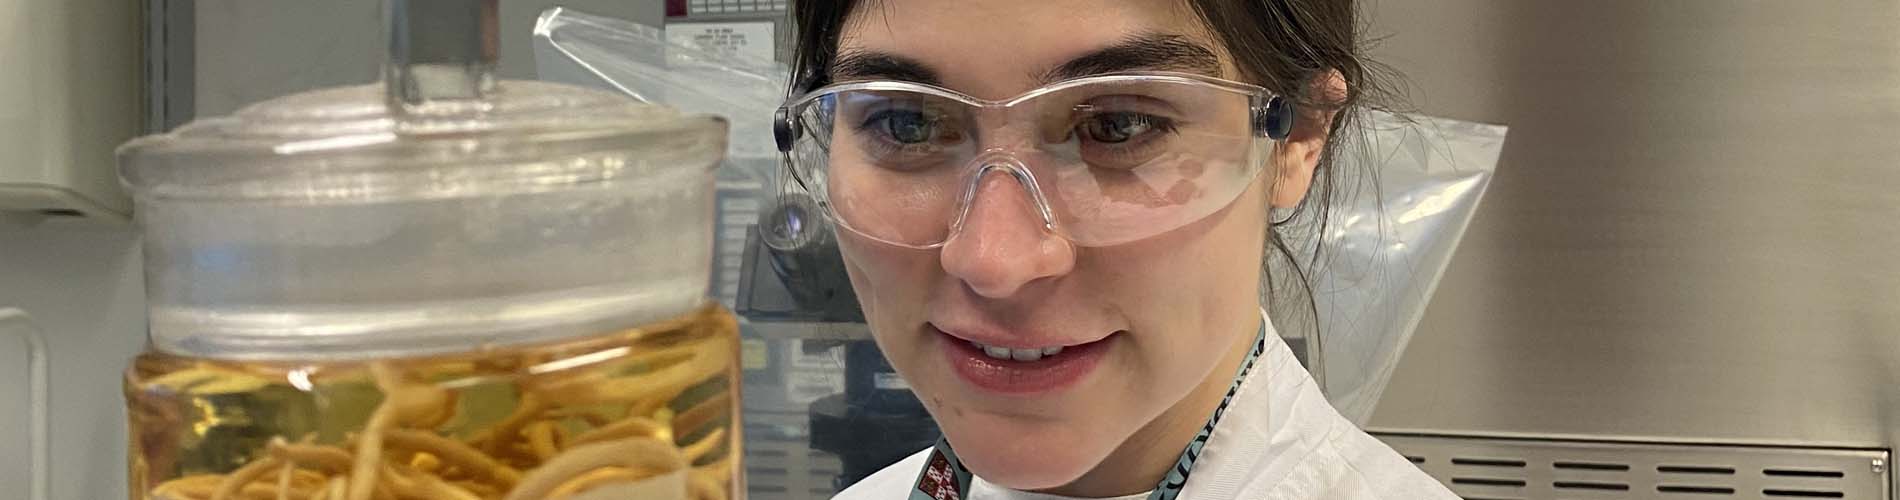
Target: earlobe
column 1293, row 164
column 1295, row 159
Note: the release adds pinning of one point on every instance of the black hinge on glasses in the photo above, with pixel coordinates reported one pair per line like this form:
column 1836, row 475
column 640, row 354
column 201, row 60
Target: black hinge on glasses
column 1275, row 121
column 783, row 130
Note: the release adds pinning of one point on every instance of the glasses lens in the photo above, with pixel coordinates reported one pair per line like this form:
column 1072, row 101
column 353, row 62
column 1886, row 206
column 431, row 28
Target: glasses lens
column 889, row 160
column 1118, row 159
column 1131, row 159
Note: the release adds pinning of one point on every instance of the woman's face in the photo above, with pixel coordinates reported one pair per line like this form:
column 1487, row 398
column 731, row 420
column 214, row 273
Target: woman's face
column 1141, row 324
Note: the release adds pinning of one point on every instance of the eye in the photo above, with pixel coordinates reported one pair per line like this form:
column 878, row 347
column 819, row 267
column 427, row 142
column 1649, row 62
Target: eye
column 908, row 138
column 1117, row 128
column 1122, row 140
column 902, row 126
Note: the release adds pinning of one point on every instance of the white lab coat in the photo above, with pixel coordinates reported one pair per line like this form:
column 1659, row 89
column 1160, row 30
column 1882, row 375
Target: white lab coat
column 1280, row 440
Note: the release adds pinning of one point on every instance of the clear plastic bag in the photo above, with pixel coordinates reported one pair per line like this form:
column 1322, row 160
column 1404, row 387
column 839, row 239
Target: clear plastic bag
column 602, row 52
column 582, row 49
column 1399, row 208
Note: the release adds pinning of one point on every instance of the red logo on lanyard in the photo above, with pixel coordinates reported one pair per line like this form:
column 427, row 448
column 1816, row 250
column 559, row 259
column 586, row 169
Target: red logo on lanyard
column 940, row 481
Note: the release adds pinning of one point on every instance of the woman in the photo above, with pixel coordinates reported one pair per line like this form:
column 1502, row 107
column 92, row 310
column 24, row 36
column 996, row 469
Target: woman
column 1054, row 214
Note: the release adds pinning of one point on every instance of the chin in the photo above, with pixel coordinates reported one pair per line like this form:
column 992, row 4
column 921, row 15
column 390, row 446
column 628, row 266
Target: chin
column 1027, row 456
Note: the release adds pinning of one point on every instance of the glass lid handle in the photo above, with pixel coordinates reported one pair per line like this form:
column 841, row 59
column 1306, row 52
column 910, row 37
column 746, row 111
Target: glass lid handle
column 440, row 50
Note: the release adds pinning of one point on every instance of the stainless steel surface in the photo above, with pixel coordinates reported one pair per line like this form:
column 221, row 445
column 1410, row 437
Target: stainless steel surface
column 1693, row 233
column 82, row 288
column 38, row 426
column 1479, row 467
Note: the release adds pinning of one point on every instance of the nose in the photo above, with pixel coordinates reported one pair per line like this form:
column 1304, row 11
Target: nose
column 1004, row 243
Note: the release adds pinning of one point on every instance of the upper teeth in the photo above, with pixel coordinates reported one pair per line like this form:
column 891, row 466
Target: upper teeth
column 1016, row 354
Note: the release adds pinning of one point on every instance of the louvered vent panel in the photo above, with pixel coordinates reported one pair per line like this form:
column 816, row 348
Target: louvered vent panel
column 1482, row 468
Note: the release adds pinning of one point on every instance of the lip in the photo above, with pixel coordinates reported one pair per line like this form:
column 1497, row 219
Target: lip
column 1020, row 378
column 976, row 332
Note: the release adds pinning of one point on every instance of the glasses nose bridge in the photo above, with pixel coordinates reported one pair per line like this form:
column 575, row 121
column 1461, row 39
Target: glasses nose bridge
column 1007, row 126
column 1005, row 163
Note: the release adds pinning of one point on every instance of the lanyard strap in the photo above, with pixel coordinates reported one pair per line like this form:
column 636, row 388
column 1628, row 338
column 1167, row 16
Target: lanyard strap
column 944, row 477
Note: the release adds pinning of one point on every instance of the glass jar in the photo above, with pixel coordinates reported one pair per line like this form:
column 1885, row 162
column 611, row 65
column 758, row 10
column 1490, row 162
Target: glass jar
column 440, row 286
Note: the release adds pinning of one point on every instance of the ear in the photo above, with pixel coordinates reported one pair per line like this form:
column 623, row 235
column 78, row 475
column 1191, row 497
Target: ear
column 1295, row 158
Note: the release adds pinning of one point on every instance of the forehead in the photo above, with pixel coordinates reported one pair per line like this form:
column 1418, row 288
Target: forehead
column 995, row 49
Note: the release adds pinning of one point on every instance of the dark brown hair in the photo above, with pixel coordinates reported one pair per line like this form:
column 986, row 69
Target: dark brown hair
column 1286, row 46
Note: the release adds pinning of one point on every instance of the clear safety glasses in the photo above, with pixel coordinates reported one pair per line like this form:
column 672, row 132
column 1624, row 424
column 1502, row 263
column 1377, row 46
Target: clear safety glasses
column 1104, row 160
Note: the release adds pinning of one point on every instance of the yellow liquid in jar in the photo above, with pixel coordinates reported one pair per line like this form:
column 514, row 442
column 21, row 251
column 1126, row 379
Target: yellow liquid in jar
column 646, row 413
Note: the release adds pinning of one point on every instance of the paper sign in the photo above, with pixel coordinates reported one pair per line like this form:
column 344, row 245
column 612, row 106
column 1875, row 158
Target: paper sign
column 749, row 39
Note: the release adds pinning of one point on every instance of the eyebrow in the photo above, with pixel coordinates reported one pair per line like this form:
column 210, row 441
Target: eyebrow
column 868, row 65
column 1146, row 52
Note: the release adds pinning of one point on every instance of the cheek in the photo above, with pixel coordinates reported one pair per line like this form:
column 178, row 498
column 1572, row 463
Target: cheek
column 891, row 283
column 1186, row 292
